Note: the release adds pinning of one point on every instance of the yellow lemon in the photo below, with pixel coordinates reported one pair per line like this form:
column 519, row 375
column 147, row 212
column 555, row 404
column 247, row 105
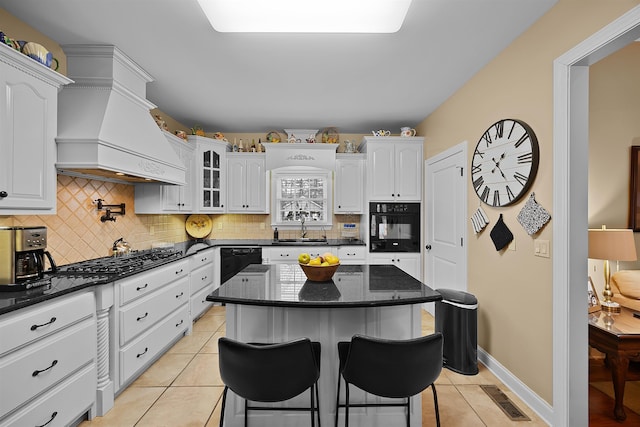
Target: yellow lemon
column 332, row 259
column 315, row 261
column 304, row 258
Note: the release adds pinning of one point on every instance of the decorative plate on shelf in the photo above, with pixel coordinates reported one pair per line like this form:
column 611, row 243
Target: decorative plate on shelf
column 330, row 136
column 198, row 226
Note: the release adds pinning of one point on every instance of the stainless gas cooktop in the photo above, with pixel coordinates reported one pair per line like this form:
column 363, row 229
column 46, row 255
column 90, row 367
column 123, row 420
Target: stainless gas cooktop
column 121, row 265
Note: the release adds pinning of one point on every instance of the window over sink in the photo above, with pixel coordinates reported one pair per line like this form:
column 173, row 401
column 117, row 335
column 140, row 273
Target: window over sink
column 301, row 197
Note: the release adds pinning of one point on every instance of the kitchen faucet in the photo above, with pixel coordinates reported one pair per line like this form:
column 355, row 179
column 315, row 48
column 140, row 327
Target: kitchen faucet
column 304, row 229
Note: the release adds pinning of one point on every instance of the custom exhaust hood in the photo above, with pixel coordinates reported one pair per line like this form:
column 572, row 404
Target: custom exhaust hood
column 105, row 129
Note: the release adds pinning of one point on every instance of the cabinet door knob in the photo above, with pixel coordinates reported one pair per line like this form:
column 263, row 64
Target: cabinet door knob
column 428, row 247
column 3, row 194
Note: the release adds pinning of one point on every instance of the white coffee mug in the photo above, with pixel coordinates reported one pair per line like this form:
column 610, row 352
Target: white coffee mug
column 407, row 131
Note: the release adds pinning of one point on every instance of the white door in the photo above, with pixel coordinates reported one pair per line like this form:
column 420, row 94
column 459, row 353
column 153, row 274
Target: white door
column 445, row 220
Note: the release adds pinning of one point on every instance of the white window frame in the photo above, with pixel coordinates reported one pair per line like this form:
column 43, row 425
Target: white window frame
column 277, row 175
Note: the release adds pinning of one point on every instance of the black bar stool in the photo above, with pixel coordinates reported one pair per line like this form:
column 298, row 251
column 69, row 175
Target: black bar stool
column 270, row 373
column 389, row 368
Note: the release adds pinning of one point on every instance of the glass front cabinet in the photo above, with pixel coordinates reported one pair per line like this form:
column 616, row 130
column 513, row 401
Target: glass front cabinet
column 211, row 173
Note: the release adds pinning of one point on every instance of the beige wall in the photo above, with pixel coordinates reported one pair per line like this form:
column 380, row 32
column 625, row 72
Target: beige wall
column 514, row 288
column 614, row 108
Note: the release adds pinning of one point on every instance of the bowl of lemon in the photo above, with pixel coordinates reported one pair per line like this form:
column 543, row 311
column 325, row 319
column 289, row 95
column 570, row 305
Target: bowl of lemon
column 321, row 268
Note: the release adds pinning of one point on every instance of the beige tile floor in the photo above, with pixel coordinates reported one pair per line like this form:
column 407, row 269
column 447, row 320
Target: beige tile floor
column 183, row 388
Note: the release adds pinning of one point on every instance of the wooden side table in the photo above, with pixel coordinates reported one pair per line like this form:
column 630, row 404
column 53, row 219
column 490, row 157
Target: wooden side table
column 618, row 336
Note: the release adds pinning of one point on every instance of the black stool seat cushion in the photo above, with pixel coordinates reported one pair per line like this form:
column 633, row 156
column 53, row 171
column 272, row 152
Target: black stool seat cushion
column 269, row 372
column 391, row 368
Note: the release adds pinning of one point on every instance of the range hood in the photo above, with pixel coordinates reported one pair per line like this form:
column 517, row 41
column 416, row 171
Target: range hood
column 105, row 129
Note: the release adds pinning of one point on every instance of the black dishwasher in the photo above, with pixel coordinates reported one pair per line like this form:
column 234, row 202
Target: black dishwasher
column 233, row 260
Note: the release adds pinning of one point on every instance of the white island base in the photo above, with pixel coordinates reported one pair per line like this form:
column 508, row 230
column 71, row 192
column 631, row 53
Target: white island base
column 249, row 323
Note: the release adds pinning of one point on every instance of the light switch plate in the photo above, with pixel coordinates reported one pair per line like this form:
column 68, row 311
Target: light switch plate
column 541, row 248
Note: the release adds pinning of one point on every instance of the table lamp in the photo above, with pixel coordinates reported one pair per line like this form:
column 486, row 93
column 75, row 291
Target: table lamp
column 611, row 244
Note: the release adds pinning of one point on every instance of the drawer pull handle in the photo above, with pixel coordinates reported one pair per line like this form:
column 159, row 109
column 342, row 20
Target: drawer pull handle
column 203, row 278
column 55, row 414
column 178, row 272
column 139, row 288
column 34, row 327
column 143, row 353
column 180, row 294
column 142, row 317
column 180, row 323
column 203, row 259
column 38, row 372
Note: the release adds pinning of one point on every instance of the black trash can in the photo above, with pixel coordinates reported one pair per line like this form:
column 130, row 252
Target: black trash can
column 457, row 319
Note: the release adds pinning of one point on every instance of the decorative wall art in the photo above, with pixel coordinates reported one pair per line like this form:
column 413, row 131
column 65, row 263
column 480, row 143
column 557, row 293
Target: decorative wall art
column 634, row 189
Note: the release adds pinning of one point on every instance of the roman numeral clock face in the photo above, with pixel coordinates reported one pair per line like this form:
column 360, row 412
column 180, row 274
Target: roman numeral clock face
column 504, row 162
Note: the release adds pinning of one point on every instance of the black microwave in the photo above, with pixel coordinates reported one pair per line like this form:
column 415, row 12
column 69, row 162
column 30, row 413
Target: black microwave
column 394, row 227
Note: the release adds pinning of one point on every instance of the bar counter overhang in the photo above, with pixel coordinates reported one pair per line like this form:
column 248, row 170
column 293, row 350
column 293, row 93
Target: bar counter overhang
column 276, row 303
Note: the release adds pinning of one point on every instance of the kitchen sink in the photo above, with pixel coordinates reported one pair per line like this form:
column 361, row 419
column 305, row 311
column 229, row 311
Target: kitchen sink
column 301, row 241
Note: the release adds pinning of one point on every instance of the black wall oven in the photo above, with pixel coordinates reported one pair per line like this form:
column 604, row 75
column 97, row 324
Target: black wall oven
column 394, row 227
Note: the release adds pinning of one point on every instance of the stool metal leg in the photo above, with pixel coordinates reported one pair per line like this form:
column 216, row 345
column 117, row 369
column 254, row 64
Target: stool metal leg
column 224, row 401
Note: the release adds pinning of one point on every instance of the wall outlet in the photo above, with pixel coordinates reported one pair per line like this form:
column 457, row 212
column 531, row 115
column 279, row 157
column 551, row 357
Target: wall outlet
column 512, row 245
column 219, row 226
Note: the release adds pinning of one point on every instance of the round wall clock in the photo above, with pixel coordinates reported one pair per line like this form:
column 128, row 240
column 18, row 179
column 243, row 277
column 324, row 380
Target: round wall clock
column 505, row 162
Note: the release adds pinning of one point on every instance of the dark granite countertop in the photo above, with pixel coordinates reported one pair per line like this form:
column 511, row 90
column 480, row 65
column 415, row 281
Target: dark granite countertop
column 266, row 242
column 59, row 285
column 285, row 285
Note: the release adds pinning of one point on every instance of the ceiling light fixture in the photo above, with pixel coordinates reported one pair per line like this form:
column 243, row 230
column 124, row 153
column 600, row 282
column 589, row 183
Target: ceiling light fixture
column 306, row 16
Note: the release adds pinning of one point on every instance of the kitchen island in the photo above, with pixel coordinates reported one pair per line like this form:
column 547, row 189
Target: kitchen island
column 276, row 303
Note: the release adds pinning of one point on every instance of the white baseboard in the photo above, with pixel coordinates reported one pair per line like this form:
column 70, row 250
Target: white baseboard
column 533, row 401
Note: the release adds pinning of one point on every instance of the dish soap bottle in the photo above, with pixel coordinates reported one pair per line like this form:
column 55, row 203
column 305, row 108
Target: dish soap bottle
column 275, row 234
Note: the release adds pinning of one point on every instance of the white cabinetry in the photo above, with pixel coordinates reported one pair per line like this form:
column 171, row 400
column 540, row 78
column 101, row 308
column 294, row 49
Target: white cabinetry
column 210, row 169
column 37, row 366
column 289, row 254
column 352, row 254
column 157, row 198
column 152, row 312
column 394, row 168
column 407, row 262
column 202, row 281
column 246, row 183
column 28, row 127
column 349, row 184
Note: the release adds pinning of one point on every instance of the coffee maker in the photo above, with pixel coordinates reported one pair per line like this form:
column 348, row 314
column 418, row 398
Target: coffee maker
column 22, row 254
